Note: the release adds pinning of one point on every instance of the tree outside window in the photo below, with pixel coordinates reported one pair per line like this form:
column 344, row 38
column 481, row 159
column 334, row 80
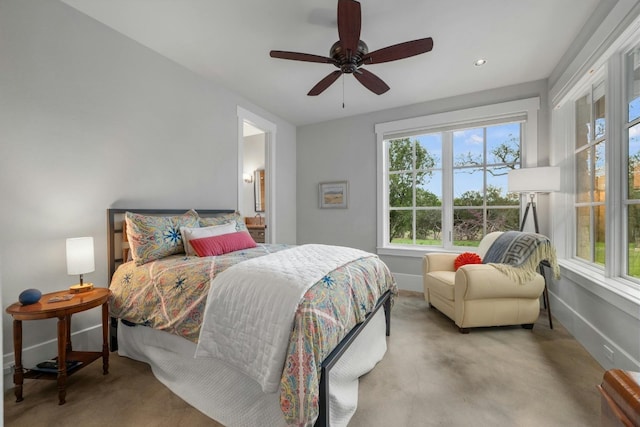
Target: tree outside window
column 478, row 162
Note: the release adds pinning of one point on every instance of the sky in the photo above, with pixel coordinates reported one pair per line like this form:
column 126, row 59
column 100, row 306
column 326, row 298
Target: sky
column 469, row 142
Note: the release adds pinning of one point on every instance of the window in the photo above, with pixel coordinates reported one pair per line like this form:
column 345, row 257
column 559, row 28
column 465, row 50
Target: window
column 415, row 189
column 482, row 158
column 632, row 154
column 590, row 175
column 599, row 121
column 443, row 178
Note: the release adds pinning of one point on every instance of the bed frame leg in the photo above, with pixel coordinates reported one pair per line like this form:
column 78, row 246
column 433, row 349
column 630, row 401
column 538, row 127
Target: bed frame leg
column 387, row 314
column 323, row 414
column 113, row 334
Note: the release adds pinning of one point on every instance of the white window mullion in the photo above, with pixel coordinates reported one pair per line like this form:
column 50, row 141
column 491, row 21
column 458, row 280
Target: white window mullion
column 485, row 161
column 447, row 189
column 413, row 191
column 616, row 228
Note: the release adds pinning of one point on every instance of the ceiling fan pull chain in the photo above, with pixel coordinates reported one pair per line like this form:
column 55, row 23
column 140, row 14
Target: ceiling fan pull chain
column 343, row 91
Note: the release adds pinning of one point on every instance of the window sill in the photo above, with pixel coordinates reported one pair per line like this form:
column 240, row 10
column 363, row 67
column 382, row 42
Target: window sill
column 618, row 292
column 411, row 251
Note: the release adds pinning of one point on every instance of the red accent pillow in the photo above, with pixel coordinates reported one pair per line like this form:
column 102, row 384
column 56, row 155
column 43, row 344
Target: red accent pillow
column 467, row 258
column 225, row 243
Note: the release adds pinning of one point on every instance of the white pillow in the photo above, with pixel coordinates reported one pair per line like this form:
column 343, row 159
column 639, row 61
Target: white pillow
column 199, row 232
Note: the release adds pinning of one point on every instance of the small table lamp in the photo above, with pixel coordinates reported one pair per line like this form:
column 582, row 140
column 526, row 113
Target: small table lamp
column 80, row 260
column 532, row 181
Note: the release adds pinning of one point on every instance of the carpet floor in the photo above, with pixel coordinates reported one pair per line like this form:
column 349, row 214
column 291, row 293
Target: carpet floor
column 431, row 376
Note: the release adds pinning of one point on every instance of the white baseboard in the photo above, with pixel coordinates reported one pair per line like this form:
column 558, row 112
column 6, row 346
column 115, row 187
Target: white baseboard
column 409, row 282
column 89, row 339
column 606, row 352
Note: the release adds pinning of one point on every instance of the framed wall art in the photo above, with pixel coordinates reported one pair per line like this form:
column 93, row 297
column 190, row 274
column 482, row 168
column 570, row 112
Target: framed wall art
column 333, row 194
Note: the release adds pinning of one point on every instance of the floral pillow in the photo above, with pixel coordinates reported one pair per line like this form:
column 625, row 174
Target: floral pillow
column 221, row 219
column 155, row 237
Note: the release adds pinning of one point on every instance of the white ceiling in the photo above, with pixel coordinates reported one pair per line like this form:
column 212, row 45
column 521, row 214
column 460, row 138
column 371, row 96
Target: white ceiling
column 229, row 42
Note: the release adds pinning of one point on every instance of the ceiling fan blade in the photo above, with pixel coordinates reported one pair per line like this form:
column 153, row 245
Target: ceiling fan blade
column 324, row 83
column 300, row 56
column 349, row 24
column 371, row 81
column 398, row 51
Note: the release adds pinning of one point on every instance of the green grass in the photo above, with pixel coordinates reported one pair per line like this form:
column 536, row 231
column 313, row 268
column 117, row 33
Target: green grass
column 427, row 242
column 633, row 261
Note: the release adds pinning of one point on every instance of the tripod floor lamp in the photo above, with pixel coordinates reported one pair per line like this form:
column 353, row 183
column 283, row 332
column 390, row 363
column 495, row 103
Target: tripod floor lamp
column 533, row 181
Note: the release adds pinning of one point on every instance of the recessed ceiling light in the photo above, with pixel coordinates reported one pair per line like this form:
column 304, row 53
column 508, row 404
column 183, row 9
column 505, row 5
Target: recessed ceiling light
column 480, row 62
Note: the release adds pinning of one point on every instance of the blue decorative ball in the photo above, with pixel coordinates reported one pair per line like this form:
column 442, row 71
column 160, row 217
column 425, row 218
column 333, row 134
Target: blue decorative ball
column 29, row 296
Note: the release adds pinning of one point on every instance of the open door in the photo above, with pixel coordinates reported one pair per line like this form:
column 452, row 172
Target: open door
column 256, row 165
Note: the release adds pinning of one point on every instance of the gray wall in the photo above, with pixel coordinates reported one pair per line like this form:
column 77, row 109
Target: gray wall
column 346, row 150
column 91, row 120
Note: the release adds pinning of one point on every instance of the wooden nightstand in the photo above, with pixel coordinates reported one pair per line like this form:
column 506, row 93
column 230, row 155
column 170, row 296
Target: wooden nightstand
column 63, row 311
column 257, row 232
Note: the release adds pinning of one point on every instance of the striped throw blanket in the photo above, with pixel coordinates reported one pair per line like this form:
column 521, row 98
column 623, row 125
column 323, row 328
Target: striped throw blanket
column 518, row 255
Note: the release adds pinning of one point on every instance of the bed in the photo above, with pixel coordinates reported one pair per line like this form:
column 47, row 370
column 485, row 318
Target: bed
column 249, row 334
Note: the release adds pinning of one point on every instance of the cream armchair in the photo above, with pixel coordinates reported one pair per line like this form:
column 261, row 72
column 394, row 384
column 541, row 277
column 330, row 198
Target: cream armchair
column 478, row 294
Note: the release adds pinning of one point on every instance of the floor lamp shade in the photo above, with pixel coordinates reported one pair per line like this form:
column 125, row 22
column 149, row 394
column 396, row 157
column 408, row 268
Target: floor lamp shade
column 531, row 181
column 534, row 180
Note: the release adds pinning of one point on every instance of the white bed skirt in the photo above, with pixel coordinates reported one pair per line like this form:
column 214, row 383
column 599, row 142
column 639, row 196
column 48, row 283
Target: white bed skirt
column 234, row 399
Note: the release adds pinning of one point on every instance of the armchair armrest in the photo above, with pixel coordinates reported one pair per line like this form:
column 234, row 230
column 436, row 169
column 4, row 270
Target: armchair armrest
column 482, row 281
column 438, row 261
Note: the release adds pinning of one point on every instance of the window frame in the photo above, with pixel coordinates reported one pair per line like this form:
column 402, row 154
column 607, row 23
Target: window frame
column 610, row 68
column 588, row 89
column 525, row 110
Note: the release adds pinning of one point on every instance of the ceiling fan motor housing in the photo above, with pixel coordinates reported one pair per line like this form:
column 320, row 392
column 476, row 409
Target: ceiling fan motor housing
column 348, row 63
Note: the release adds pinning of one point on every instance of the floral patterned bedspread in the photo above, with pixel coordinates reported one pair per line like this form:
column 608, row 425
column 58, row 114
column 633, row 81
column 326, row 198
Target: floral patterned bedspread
column 170, row 294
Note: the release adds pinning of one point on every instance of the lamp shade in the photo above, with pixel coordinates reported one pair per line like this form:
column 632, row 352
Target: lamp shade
column 534, row 180
column 80, row 257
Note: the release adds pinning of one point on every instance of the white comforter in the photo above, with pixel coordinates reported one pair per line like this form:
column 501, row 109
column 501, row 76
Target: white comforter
column 251, row 306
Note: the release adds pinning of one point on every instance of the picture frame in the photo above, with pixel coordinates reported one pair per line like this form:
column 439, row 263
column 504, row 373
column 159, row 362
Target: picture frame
column 333, row 195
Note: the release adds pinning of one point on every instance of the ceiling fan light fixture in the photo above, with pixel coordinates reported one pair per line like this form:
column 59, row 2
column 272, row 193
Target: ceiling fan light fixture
column 480, row 62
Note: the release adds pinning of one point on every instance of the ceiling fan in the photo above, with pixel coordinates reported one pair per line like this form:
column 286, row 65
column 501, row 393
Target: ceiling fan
column 350, row 53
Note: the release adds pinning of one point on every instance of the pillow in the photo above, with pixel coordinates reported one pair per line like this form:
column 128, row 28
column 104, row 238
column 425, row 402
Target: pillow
column 221, row 219
column 189, row 234
column 467, row 258
column 155, row 237
column 223, row 244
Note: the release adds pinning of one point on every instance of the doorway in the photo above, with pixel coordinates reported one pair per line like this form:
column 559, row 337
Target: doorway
column 256, row 164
